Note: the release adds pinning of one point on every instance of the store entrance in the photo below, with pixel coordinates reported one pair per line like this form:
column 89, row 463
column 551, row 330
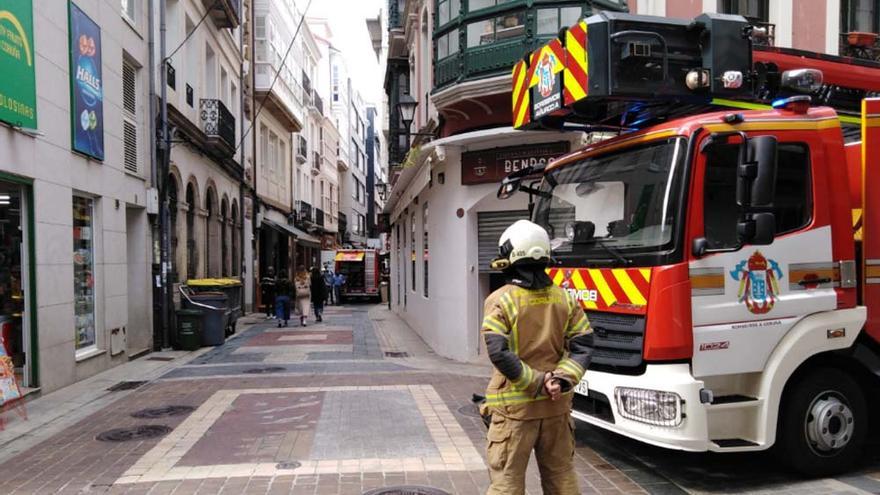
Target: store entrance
column 14, row 322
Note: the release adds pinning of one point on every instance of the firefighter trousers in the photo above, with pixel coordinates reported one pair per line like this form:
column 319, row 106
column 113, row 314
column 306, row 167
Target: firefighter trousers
column 511, row 443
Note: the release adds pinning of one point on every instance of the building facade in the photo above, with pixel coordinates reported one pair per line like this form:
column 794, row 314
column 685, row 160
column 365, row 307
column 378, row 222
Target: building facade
column 75, row 183
column 453, row 57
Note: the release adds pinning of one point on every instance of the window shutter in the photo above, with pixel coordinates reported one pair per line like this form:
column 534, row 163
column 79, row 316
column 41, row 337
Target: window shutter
column 129, row 120
column 129, row 131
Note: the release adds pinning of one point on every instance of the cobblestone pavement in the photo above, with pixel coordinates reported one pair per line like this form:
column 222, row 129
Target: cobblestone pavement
column 326, row 410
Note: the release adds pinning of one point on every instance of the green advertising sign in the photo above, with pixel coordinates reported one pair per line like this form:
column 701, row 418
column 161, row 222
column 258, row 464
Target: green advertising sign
column 18, row 87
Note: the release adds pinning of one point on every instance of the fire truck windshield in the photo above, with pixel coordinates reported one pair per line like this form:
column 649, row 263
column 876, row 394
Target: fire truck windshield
column 614, row 208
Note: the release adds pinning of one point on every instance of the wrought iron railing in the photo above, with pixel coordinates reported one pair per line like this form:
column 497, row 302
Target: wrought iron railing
column 217, row 121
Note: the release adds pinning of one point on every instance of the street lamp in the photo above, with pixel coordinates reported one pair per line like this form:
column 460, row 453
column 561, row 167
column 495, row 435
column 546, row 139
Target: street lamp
column 406, row 108
column 382, row 189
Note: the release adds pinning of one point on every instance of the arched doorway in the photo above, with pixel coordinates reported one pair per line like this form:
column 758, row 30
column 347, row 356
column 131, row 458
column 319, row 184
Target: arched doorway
column 191, row 250
column 224, row 239
column 211, row 262
column 236, row 262
column 172, row 225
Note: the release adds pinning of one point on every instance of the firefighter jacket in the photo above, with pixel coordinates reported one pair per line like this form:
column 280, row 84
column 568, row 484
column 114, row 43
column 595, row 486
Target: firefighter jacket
column 529, row 332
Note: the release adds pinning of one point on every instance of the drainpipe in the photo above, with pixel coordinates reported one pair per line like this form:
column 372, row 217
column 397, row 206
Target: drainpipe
column 165, row 147
column 242, row 269
column 255, row 233
column 152, row 108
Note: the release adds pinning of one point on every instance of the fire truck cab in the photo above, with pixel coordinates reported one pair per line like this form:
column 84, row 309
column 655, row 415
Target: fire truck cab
column 724, row 244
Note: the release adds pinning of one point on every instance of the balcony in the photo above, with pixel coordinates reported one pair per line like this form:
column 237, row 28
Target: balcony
column 316, row 163
column 861, row 45
column 306, row 85
column 343, row 226
column 224, row 13
column 318, row 103
column 303, row 213
column 218, row 124
column 319, row 217
column 396, row 36
column 282, row 101
column 302, row 147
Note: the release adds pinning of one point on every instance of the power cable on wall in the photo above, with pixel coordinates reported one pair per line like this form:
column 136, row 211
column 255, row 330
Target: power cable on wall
column 194, row 29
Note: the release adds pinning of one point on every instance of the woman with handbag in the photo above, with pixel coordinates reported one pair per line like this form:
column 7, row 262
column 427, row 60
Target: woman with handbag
column 303, row 293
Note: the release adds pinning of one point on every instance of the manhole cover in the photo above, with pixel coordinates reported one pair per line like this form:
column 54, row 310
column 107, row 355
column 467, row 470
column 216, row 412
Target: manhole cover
column 141, row 432
column 162, row 412
column 288, row 465
column 396, row 354
column 268, row 369
column 407, row 490
column 125, row 386
column 469, row 410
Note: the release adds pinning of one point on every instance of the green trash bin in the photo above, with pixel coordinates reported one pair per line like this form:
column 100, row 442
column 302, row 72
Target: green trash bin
column 189, row 329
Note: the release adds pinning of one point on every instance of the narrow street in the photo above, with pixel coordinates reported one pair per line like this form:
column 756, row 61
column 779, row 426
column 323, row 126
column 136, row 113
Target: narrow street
column 346, row 406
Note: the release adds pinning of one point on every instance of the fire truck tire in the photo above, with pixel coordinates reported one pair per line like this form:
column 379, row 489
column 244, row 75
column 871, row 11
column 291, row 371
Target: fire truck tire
column 823, row 423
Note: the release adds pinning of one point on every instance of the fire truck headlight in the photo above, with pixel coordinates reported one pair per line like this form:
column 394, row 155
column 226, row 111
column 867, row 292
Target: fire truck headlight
column 654, row 407
column 802, row 80
column 569, row 231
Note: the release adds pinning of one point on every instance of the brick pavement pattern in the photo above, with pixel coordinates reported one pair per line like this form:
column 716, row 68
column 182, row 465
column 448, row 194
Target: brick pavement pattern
column 290, row 411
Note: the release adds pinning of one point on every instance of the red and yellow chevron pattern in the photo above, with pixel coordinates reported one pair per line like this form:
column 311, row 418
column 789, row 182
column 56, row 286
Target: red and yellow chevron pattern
column 522, row 113
column 576, row 77
column 620, row 290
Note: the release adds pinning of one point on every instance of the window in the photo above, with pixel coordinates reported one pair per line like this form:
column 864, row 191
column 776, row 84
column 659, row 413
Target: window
column 750, row 9
column 792, row 201
column 550, row 21
column 484, row 4
column 447, row 44
column 210, row 73
column 496, row 29
column 859, row 15
column 83, row 273
column 129, row 117
column 425, row 244
column 412, row 248
column 128, row 10
column 447, row 10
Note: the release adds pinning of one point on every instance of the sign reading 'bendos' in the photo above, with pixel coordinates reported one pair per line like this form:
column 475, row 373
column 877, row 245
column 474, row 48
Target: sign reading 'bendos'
column 18, row 94
column 86, row 85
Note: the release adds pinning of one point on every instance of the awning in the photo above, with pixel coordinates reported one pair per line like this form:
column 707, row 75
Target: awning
column 350, row 256
column 302, row 237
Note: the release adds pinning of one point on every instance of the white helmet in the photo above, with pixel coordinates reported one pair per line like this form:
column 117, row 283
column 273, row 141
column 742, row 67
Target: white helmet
column 523, row 241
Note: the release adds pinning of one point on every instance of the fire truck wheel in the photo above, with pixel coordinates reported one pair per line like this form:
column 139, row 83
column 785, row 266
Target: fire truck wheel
column 823, row 423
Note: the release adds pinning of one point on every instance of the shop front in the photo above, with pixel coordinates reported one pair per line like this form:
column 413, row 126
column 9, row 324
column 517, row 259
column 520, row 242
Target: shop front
column 16, row 281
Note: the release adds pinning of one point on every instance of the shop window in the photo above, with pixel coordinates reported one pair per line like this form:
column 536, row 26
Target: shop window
column 755, row 10
column 447, row 45
column 496, row 29
column 550, row 21
column 792, row 200
column 425, row 255
column 84, row 273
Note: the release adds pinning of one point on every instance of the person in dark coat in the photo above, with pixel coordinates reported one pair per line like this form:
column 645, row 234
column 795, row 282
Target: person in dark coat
column 319, row 293
column 282, row 300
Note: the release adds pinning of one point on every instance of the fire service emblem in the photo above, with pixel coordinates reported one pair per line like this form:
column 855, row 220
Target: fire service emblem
column 758, row 282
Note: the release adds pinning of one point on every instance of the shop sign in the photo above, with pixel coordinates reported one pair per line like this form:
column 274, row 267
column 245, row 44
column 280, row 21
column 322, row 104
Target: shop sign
column 18, row 87
column 490, row 166
column 86, row 85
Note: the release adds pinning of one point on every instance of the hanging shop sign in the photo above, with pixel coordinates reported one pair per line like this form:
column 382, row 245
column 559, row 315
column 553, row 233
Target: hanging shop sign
column 86, row 85
column 18, row 87
column 491, row 166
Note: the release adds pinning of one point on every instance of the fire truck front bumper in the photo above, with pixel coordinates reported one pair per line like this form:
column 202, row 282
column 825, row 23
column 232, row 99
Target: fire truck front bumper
column 661, row 407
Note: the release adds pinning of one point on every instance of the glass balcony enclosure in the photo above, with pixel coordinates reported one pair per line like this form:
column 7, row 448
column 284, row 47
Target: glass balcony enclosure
column 474, row 39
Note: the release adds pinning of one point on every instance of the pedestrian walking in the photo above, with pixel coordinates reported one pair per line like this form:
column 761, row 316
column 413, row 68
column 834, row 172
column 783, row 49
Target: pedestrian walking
column 338, row 282
column 267, row 289
column 540, row 342
column 328, row 284
column 302, row 284
column 282, row 300
column 319, row 293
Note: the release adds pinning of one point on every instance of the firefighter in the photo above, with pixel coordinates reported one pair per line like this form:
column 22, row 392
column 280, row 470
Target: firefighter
column 540, row 342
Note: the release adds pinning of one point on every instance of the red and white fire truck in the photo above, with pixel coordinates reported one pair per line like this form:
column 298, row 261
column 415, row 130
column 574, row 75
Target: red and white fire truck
column 362, row 274
column 725, row 243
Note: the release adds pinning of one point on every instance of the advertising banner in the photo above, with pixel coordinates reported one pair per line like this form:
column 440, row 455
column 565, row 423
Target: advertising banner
column 18, row 87
column 86, row 85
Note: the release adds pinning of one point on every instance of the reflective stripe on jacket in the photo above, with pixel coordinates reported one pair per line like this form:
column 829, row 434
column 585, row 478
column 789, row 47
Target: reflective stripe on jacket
column 528, row 333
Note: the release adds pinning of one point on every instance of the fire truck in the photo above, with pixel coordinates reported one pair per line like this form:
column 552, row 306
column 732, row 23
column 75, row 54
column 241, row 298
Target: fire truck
column 362, row 273
column 722, row 241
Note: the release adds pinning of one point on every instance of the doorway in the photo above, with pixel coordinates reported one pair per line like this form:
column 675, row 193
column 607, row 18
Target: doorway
column 15, row 282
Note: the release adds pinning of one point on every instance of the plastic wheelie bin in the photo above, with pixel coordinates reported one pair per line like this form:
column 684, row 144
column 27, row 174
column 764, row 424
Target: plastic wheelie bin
column 189, row 329
column 232, row 287
column 213, row 306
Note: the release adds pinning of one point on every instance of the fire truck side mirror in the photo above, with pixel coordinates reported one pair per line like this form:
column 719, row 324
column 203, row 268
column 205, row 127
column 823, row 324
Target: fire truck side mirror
column 761, row 151
column 759, row 230
column 508, row 188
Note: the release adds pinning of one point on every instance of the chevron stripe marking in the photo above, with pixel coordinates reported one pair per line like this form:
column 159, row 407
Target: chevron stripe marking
column 629, row 288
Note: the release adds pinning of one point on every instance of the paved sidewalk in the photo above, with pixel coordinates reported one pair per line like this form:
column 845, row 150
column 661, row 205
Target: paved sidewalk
column 355, row 403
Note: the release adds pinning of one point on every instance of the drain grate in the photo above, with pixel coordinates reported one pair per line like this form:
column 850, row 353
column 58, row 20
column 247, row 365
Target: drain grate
column 396, row 354
column 267, row 369
column 160, row 358
column 125, row 386
column 407, row 490
column 469, row 410
column 288, row 465
column 162, row 412
column 141, row 432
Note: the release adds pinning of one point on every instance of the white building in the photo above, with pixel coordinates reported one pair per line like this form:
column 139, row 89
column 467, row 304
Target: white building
column 75, row 243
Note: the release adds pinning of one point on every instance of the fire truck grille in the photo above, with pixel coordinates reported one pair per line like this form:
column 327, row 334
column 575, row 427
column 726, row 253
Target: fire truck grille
column 618, row 340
